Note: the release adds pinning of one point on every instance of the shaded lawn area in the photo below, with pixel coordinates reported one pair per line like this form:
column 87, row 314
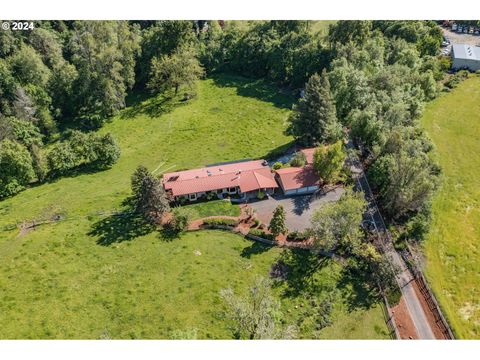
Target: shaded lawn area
column 452, row 246
column 213, row 208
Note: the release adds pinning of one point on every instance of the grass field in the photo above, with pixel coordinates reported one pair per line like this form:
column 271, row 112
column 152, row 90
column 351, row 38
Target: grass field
column 95, row 275
column 453, row 245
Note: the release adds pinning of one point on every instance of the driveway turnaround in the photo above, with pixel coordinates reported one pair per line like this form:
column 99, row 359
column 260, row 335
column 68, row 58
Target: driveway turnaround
column 299, row 209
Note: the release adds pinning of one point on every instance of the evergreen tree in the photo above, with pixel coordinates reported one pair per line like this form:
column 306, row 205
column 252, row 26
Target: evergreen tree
column 149, row 198
column 314, row 119
column 277, row 224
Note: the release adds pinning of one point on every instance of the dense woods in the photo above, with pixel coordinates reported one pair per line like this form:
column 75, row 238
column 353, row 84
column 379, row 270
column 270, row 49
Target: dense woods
column 64, row 79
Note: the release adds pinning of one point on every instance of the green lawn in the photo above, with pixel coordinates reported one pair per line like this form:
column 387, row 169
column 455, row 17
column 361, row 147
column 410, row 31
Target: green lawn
column 453, row 245
column 96, row 275
column 213, row 208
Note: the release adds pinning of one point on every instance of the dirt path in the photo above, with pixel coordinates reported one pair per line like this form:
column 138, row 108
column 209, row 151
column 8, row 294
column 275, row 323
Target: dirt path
column 405, row 326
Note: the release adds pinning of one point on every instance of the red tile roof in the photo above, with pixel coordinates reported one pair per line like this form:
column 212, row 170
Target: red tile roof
column 297, row 177
column 309, row 154
column 247, row 175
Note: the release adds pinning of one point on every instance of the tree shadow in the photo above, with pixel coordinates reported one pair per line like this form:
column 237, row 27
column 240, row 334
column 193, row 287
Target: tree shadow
column 302, row 265
column 358, row 288
column 255, row 248
column 301, row 204
column 82, row 169
column 150, row 105
column 255, row 88
column 282, row 150
column 117, row 228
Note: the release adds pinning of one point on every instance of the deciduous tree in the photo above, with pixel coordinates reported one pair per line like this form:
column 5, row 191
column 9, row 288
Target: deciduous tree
column 328, row 161
column 336, row 226
column 173, row 71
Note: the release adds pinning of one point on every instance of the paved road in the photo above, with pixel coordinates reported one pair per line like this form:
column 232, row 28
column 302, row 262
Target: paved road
column 405, row 278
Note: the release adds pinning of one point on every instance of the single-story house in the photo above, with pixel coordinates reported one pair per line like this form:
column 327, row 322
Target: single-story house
column 245, row 179
column 465, row 57
column 298, row 180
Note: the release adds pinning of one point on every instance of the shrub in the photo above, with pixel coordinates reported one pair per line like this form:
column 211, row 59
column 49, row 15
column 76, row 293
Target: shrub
column 277, row 165
column 211, row 196
column 179, row 222
column 297, row 236
column 219, row 222
column 457, row 78
column 260, row 195
column 61, row 159
column 261, row 234
column 80, row 148
column 106, row 150
column 298, row 160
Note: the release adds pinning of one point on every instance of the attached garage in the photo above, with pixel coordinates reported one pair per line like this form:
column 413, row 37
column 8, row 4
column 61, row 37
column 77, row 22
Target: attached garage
column 298, row 180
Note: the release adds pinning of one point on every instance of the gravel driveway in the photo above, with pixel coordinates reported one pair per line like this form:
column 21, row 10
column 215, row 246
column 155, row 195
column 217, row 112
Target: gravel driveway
column 299, row 209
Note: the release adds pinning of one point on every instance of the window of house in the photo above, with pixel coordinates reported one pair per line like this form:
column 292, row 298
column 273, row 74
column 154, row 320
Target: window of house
column 193, row 196
column 232, row 189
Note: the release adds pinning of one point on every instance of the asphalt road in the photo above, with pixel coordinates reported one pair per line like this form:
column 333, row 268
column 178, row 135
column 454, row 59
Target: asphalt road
column 405, row 278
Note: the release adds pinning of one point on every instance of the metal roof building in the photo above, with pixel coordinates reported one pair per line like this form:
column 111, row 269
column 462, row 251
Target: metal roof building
column 465, row 57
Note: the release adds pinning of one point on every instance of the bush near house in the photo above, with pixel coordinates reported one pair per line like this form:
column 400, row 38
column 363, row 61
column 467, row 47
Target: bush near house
column 262, row 234
column 219, row 222
column 297, row 236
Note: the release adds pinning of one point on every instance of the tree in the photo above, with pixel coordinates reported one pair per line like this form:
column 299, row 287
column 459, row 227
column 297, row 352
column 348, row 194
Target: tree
column 16, row 168
column 162, row 38
column 179, row 221
column 173, row 71
column 337, row 225
column 328, row 161
column 277, row 224
column 61, row 158
column 314, row 119
column 404, row 181
column 102, row 53
column 344, row 31
column 107, row 150
column 256, row 316
column 148, row 198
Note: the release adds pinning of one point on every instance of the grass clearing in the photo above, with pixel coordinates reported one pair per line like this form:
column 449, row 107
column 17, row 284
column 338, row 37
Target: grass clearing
column 58, row 281
column 452, row 247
